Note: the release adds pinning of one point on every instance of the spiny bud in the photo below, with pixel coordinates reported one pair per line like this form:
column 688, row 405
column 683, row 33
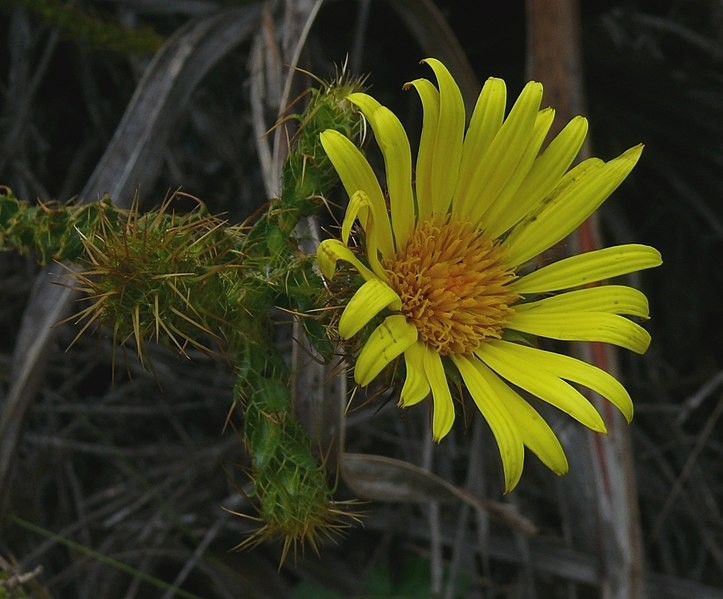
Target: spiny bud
column 161, row 276
column 307, row 172
column 295, row 502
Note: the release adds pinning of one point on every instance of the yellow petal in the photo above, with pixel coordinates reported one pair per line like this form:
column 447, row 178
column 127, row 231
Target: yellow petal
column 356, row 174
column 393, row 142
column 388, row 341
column 581, row 171
column 360, row 204
column 507, row 197
column 429, row 96
column 370, row 299
column 541, row 384
column 487, row 117
column 495, row 412
column 542, row 178
column 449, row 138
column 615, row 299
column 443, row 411
column 535, row 432
column 589, row 267
column 583, row 326
column 416, row 386
column 571, row 369
column 503, row 155
column 331, row 250
column 565, row 210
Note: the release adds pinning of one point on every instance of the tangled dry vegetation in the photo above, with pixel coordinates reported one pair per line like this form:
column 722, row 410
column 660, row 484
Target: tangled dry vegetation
column 117, row 488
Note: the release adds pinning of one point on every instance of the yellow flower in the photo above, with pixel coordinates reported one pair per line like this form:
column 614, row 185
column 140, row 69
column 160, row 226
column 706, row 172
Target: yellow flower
column 449, row 262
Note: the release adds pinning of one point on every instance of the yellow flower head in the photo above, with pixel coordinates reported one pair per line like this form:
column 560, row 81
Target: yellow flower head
column 444, row 262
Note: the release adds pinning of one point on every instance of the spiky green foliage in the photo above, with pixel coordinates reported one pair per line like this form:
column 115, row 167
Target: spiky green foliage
column 307, row 176
column 295, row 502
column 194, row 280
column 51, row 230
column 163, row 276
column 307, row 172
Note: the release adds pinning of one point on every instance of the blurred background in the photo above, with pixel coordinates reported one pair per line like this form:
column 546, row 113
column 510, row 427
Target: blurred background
column 116, row 488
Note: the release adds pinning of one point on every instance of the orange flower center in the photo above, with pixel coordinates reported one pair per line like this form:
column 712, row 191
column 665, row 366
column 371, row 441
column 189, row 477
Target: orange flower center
column 453, row 283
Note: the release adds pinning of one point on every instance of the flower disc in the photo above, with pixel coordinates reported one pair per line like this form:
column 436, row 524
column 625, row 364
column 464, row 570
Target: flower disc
column 452, row 281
